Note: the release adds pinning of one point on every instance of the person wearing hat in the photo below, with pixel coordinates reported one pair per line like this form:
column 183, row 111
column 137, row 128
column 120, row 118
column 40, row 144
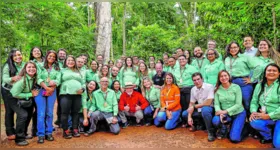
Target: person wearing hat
column 131, row 103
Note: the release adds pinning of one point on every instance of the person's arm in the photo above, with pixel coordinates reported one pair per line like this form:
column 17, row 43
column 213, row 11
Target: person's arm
column 144, row 103
column 93, row 103
column 121, row 102
column 58, row 78
column 238, row 101
column 115, row 104
column 217, row 104
column 176, row 98
column 254, row 105
column 17, row 90
column 275, row 115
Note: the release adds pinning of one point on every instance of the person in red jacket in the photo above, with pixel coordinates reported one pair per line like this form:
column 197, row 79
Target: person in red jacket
column 131, row 103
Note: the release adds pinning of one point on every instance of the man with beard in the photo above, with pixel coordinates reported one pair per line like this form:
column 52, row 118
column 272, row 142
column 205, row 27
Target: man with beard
column 61, row 57
column 80, row 64
column 199, row 61
column 135, row 60
column 114, row 74
column 159, row 77
column 100, row 59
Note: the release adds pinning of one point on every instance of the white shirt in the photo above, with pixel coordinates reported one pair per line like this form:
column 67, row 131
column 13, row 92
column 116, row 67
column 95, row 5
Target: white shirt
column 251, row 52
column 199, row 95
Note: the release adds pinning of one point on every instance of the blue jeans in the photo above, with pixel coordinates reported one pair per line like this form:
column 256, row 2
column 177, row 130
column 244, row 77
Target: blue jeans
column 247, row 91
column 206, row 113
column 148, row 111
column 170, row 123
column 265, row 129
column 237, row 124
column 45, row 105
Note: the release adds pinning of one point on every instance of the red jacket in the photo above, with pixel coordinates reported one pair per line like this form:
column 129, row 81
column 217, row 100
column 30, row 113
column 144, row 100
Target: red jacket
column 132, row 100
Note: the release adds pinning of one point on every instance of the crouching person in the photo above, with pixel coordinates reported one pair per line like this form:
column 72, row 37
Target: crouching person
column 104, row 107
column 131, row 104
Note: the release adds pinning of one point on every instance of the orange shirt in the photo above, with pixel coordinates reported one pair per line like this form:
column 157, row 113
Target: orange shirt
column 170, row 98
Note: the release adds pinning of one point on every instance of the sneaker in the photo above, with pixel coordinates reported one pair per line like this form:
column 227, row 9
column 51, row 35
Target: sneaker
column 89, row 132
column 138, row 124
column 22, row 143
column 49, row 137
column 148, row 124
column 28, row 137
column 211, row 137
column 192, row 128
column 57, row 123
column 125, row 125
column 76, row 133
column 12, row 137
column 221, row 134
column 263, row 141
column 67, row 134
column 40, row 140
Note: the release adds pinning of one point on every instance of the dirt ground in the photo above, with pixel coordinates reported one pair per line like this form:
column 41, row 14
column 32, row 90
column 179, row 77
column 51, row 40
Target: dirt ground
column 134, row 137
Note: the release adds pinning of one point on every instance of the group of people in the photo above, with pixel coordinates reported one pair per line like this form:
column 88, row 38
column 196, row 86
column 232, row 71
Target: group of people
column 231, row 96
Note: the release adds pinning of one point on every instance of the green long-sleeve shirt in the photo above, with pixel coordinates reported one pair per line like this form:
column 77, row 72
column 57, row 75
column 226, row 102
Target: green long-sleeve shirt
column 6, row 79
column 97, row 79
column 239, row 66
column 200, row 64
column 183, row 75
column 260, row 63
column 105, row 101
column 71, row 82
column 90, row 75
column 212, row 70
column 22, row 90
column 128, row 75
column 272, row 101
column 118, row 95
column 153, row 96
column 229, row 99
column 151, row 73
column 52, row 74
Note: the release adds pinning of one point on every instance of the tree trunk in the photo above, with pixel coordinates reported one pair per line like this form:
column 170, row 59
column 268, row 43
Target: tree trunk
column 123, row 24
column 274, row 25
column 184, row 13
column 103, row 29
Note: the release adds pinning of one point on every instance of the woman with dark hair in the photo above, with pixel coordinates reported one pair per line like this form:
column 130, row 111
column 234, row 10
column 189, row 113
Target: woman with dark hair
column 24, row 90
column 116, row 86
column 104, row 72
column 152, row 69
column 37, row 56
column 10, row 71
column 239, row 67
column 160, row 61
column 265, row 55
column 48, row 78
column 110, row 63
column 86, row 103
column 143, row 71
column 71, row 89
column 128, row 73
column 188, row 55
column 228, row 108
column 265, row 106
column 92, row 71
column 170, row 104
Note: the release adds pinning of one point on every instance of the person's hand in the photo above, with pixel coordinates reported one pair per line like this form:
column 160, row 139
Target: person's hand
column 85, row 122
column 35, row 92
column 89, row 114
column 52, row 83
column 190, row 109
column 169, row 114
column 137, row 107
column 253, row 116
column 190, row 121
column 155, row 114
column 126, row 108
column 247, row 80
column 224, row 112
column 16, row 78
column 80, row 91
column 115, row 120
column 263, row 115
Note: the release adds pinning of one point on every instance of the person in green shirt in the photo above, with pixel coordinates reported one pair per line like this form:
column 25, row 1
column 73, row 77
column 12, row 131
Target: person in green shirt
column 212, row 69
column 152, row 69
column 37, row 56
column 188, row 55
column 129, row 74
column 171, row 64
column 228, row 108
column 104, row 107
column 71, row 90
column 199, row 61
column 48, row 78
column 211, row 44
column 61, row 57
column 152, row 94
column 143, row 72
column 265, row 106
column 23, row 89
column 104, row 72
column 114, row 75
column 10, row 72
column 116, row 87
column 92, row 71
column 165, row 62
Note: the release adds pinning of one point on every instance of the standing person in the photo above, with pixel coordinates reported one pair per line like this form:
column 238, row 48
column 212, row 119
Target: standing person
column 265, row 106
column 119, row 64
column 100, row 59
column 114, row 74
column 239, row 66
column 152, row 70
column 10, row 72
column 135, row 60
column 103, row 73
column 104, row 107
column 184, row 81
column 199, row 60
column 228, row 108
column 201, row 109
column 129, row 74
column 165, row 62
column 152, row 94
column 116, row 87
column 24, row 89
column 143, row 72
column 37, row 56
column 188, row 55
column 171, row 63
column 80, row 66
column 248, row 43
column 211, row 44
column 90, row 73
column 158, row 78
column 170, row 104
column 111, row 64
column 71, row 89
column 266, row 54
column 131, row 103
column 61, row 57
column 48, row 78
column 213, row 68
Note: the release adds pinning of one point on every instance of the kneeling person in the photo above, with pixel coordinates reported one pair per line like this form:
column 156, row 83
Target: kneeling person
column 104, row 107
column 202, row 94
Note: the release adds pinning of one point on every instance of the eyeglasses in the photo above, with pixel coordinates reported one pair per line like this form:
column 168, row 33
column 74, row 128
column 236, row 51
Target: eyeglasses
column 211, row 54
column 104, row 81
column 233, row 47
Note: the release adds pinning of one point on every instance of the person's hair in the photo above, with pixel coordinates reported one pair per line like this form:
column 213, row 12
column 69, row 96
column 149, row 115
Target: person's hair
column 171, row 75
column 190, row 55
column 198, row 47
column 146, row 73
column 180, row 49
column 197, row 74
column 215, row 53
column 31, row 57
column 56, row 66
column 212, row 41
column 182, row 56
column 272, row 53
column 96, row 64
column 109, row 61
column 228, row 48
column 160, row 61
column 134, row 56
column 249, row 36
column 218, row 84
column 75, row 66
column 112, row 86
column 150, row 65
column 264, row 79
column 23, row 74
column 125, row 64
column 96, row 88
column 10, row 62
column 142, row 83
column 172, row 58
column 152, row 56
column 62, row 49
column 100, row 72
column 165, row 54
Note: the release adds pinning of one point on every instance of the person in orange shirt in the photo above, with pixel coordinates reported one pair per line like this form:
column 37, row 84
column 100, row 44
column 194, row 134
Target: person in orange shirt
column 170, row 104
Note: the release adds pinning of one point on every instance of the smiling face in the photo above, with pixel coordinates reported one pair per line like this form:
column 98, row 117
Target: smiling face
column 31, row 69
column 147, row 83
column 104, row 70
column 182, row 61
column 272, row 73
column 115, row 71
column 79, row 62
column 70, row 62
column 51, row 58
column 36, row 53
column 93, row 65
column 211, row 55
column 17, row 57
column 224, row 78
column 197, row 80
column 91, row 86
column 234, row 49
column 263, row 46
column 61, row 55
column 198, row 52
column 248, row 42
column 142, row 67
column 104, row 82
column 168, row 80
column 116, row 86
column 128, row 62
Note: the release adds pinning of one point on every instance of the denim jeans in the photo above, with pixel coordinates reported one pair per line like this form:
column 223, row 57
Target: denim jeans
column 265, row 128
column 170, row 123
column 247, row 91
column 148, row 114
column 45, row 105
column 206, row 114
column 237, row 124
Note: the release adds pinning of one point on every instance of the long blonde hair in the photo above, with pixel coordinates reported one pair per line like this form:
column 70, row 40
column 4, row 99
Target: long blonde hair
column 272, row 53
column 143, row 88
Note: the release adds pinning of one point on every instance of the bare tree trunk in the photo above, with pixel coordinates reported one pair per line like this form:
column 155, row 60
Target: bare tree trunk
column 88, row 10
column 274, row 25
column 194, row 16
column 184, row 13
column 124, row 39
column 103, row 29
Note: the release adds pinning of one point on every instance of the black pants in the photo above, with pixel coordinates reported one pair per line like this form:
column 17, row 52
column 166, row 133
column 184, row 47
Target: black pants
column 9, row 112
column 73, row 104
column 185, row 96
column 58, row 109
column 23, row 115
